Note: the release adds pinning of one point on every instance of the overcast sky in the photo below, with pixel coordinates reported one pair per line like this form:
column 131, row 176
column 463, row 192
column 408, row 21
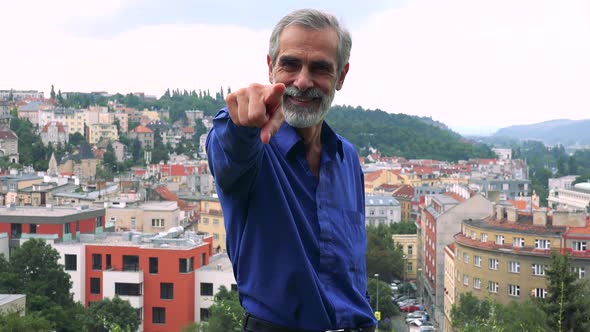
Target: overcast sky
column 474, row 65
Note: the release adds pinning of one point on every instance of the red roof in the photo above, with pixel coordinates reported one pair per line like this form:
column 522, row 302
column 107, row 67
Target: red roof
column 170, row 196
column 188, row 130
column 373, row 175
column 142, row 129
column 405, row 191
column 60, row 127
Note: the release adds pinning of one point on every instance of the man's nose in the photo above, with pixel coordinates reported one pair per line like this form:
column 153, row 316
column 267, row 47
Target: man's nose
column 304, row 80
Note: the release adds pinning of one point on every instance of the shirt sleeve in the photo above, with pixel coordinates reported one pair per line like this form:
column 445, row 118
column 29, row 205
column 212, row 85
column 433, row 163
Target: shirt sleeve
column 232, row 151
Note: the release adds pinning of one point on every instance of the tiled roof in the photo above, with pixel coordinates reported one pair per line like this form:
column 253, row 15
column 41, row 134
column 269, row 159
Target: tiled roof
column 142, row 129
column 373, row 176
column 60, row 127
column 188, row 130
column 405, row 191
column 523, row 225
column 166, row 194
column 455, row 196
column 7, row 134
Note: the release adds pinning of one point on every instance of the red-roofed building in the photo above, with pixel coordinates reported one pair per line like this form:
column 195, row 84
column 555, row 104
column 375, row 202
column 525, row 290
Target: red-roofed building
column 188, row 132
column 404, row 194
column 145, row 136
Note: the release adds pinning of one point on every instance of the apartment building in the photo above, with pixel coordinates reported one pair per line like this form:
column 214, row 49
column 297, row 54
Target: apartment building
column 409, row 245
column 100, row 131
column 145, row 136
column 449, row 289
column 381, row 209
column 155, row 273
column 147, row 217
column 54, row 133
column 211, row 222
column 576, row 198
column 211, row 277
column 504, row 256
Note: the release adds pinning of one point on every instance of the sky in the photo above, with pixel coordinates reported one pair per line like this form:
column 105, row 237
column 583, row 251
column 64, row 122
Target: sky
column 475, row 65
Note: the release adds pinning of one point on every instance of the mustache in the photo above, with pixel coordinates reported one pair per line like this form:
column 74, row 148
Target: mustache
column 309, row 93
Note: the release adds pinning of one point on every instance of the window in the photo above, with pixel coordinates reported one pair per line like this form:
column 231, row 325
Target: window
column 206, row 289
column 205, row 221
column 513, row 290
column 128, row 289
column 500, row 239
column 185, row 265
column 108, row 261
column 153, row 264
column 96, row 261
column 133, row 222
column 580, row 245
column 166, row 290
column 542, row 244
column 203, row 259
column 33, row 229
column 493, row 287
column 477, row 261
column 71, row 263
column 410, row 250
column 158, row 223
column 98, row 222
column 215, row 222
column 94, row 285
column 410, row 267
column 514, row 267
column 204, row 314
column 493, row 264
column 158, row 315
column 580, row 271
column 465, row 280
column 473, row 235
column 484, row 237
column 540, row 292
column 466, row 258
column 130, row 263
column 66, row 228
column 476, row 283
column 538, row 269
column 518, row 242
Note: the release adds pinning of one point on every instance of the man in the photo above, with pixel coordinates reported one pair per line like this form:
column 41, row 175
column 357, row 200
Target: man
column 292, row 191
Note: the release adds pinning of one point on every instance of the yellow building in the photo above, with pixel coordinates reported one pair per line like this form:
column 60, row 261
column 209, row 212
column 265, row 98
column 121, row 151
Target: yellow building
column 504, row 257
column 450, row 292
column 409, row 244
column 377, row 178
column 211, row 222
column 101, row 131
column 74, row 121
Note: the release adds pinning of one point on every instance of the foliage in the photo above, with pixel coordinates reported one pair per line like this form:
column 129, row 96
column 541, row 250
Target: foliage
column 108, row 314
column 33, row 270
column 30, row 148
column 383, row 256
column 386, row 305
column 470, row 314
column 226, row 313
column 566, row 305
column 11, row 322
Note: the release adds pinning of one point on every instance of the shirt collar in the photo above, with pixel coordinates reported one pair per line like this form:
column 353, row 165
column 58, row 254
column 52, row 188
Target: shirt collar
column 286, row 139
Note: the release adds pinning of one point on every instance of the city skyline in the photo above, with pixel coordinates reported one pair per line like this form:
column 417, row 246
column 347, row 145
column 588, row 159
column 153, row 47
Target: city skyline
column 512, row 62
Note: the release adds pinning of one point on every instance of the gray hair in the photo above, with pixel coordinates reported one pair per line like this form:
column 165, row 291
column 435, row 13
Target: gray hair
column 316, row 20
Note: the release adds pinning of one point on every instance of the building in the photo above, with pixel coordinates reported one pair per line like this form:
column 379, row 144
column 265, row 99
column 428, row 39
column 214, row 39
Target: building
column 449, row 289
column 409, row 244
column 147, row 217
column 54, row 133
column 100, row 131
column 504, row 256
column 573, row 199
column 13, row 303
column 145, row 136
column 20, row 94
column 10, row 185
column 211, row 222
column 381, row 210
column 211, row 277
column 497, row 188
column 440, row 220
column 404, row 194
column 56, row 222
column 9, row 145
column 564, row 182
column 503, row 153
column 155, row 273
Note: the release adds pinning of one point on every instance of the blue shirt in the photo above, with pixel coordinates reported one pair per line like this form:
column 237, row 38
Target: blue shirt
column 297, row 245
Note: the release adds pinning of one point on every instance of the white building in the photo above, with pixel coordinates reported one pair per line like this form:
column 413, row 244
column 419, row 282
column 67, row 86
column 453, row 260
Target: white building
column 209, row 279
column 574, row 199
column 382, row 210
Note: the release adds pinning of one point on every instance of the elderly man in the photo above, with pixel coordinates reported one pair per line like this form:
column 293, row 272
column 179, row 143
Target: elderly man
column 291, row 189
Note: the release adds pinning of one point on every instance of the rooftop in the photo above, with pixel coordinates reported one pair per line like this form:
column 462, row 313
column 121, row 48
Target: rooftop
column 174, row 239
column 7, row 298
column 524, row 225
column 218, row 262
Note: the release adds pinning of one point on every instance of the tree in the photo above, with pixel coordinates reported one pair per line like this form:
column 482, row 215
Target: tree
column 386, row 306
column 108, row 313
column 109, row 157
column 564, row 295
column 226, row 313
column 52, row 93
column 11, row 322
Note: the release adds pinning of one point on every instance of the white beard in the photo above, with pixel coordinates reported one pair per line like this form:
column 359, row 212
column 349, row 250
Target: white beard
column 305, row 117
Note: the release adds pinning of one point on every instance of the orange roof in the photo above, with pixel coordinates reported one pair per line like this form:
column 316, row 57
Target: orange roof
column 188, row 130
column 373, row 175
column 455, row 196
column 142, row 129
column 166, row 194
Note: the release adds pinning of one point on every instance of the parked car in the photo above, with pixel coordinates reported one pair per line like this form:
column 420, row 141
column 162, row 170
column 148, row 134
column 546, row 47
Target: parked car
column 411, row 307
column 419, row 314
column 406, row 302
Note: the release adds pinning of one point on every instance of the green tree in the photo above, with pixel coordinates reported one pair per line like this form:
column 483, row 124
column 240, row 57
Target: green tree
column 226, row 313
column 13, row 322
column 107, row 313
column 386, row 305
column 109, row 157
column 52, row 93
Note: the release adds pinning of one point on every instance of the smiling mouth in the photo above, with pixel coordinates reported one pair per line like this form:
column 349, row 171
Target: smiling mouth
column 302, row 100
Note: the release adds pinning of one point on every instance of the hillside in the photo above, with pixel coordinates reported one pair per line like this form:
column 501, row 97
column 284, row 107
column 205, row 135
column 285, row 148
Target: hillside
column 562, row 131
column 401, row 135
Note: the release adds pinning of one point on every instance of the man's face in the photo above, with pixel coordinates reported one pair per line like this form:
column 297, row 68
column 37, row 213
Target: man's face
column 307, row 65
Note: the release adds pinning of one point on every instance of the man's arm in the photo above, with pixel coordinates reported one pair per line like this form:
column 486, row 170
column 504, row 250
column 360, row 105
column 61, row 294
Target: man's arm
column 233, row 144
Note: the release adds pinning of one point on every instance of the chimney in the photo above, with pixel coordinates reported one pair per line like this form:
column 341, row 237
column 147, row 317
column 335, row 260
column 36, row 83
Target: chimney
column 499, row 212
column 566, row 218
column 540, row 217
column 511, row 214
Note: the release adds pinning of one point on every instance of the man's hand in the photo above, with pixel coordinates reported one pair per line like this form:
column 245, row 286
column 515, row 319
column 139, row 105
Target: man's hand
column 259, row 106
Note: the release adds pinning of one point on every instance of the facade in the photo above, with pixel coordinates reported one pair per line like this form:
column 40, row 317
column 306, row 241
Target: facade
column 505, row 188
column 211, row 222
column 145, row 136
column 503, row 153
column 100, row 131
column 13, row 303
column 504, row 256
column 120, row 151
column 381, row 210
column 9, row 145
column 409, row 244
column 564, row 182
column 21, row 94
column 450, row 293
column 210, row 278
column 404, row 194
column 574, row 199
column 147, row 217
column 440, row 220
column 156, row 274
column 54, row 133
column 10, row 185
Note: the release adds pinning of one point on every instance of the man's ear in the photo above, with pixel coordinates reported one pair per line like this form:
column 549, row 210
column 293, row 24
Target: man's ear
column 342, row 77
column 269, row 63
